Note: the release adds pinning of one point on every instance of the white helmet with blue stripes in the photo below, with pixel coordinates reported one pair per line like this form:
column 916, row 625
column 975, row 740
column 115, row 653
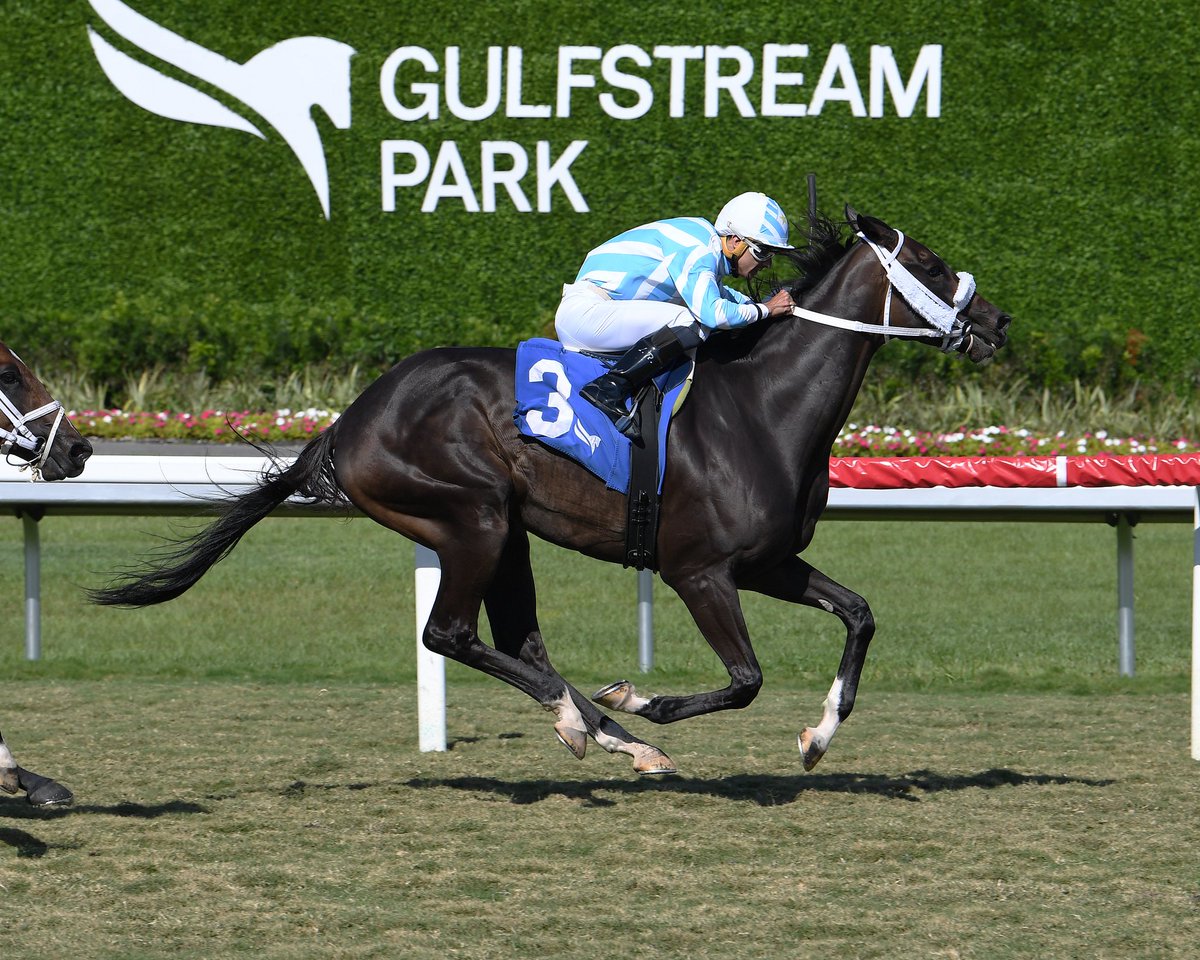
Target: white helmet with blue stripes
column 757, row 218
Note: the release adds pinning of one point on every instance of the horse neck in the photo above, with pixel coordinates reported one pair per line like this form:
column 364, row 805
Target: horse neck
column 816, row 370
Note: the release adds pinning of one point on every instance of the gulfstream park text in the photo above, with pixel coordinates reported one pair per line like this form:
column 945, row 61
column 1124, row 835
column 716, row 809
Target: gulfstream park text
column 622, row 82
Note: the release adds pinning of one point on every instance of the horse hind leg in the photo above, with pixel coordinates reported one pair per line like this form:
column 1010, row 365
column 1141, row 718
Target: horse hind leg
column 648, row 760
column 512, row 613
column 469, row 572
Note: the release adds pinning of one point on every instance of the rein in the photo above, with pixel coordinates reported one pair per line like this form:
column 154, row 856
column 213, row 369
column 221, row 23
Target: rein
column 944, row 318
column 20, row 436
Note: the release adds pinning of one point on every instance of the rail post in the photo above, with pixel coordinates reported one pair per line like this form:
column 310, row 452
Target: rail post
column 431, row 667
column 645, row 606
column 1125, row 635
column 33, row 583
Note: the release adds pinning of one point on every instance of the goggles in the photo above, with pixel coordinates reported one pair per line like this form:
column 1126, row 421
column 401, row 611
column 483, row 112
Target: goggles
column 759, row 253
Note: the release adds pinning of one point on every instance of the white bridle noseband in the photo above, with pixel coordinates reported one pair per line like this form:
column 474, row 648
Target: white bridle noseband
column 19, row 435
column 944, row 318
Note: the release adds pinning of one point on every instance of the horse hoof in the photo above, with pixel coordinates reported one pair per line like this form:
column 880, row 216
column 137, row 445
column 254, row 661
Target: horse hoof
column 42, row 791
column 617, row 696
column 572, row 738
column 810, row 752
column 613, row 695
column 8, row 780
column 654, row 763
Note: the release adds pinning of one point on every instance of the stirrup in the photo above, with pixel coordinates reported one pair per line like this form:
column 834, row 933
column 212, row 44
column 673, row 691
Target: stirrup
column 622, row 419
column 630, row 425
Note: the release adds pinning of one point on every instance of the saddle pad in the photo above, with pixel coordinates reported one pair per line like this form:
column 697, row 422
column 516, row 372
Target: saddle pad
column 548, row 409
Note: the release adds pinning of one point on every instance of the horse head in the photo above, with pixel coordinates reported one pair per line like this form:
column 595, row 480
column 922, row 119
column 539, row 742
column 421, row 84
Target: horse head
column 930, row 294
column 32, row 425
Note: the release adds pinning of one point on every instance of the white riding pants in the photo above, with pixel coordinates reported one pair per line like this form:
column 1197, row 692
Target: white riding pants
column 588, row 319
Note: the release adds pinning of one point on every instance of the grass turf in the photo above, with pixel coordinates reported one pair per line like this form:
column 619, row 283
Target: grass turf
column 248, row 781
column 297, row 820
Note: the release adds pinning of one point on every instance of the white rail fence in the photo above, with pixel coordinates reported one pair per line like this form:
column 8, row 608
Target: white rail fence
column 185, row 485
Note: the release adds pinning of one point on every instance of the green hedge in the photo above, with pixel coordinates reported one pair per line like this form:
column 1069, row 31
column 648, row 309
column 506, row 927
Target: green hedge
column 1059, row 172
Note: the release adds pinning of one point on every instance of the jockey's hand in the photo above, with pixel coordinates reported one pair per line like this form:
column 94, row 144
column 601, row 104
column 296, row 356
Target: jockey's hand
column 781, row 304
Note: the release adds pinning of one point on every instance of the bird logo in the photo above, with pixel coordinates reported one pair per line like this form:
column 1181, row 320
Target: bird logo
column 282, row 84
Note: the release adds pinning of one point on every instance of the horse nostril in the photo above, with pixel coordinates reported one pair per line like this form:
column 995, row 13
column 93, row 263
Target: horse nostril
column 1002, row 322
column 80, row 451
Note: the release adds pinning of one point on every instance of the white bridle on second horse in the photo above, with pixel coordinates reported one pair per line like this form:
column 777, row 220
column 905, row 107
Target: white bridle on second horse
column 35, row 449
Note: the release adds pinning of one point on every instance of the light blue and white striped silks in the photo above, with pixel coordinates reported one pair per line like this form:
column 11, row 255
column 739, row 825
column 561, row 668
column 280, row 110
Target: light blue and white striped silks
column 674, row 261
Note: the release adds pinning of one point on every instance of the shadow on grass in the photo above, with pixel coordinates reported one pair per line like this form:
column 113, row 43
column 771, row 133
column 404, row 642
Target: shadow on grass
column 764, row 790
column 18, row 809
column 27, row 845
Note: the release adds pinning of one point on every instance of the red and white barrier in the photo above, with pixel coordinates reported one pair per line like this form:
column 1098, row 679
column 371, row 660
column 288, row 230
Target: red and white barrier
column 908, row 473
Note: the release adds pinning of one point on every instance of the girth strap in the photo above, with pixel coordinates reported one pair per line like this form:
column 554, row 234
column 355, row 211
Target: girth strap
column 641, row 531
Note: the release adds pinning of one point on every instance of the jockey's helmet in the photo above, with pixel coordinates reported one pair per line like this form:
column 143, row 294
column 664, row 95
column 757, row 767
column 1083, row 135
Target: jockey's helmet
column 757, row 219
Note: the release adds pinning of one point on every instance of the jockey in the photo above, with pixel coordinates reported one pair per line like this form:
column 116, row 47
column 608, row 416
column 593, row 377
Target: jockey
column 655, row 292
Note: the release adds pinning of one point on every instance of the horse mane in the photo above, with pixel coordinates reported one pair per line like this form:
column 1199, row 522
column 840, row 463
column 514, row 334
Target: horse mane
column 811, row 261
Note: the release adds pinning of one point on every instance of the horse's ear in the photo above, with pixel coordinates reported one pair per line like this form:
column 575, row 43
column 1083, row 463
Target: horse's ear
column 874, row 230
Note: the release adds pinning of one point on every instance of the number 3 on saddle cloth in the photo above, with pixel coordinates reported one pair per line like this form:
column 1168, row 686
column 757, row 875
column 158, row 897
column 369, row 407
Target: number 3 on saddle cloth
column 550, row 410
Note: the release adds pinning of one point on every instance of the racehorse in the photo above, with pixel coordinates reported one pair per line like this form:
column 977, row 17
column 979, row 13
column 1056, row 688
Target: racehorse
column 431, row 451
column 33, row 429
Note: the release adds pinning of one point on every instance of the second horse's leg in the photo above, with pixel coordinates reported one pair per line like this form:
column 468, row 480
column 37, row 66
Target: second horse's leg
column 8, row 769
column 39, row 791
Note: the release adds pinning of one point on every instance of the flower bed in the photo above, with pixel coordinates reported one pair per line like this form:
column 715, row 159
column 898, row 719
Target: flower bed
column 208, row 426
column 873, row 441
column 219, row 426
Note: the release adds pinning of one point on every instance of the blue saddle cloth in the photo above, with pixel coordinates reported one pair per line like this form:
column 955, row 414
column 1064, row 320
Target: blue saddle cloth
column 549, row 409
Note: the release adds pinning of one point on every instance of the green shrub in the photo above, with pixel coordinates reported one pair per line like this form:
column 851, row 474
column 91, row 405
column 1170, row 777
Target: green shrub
column 1058, row 171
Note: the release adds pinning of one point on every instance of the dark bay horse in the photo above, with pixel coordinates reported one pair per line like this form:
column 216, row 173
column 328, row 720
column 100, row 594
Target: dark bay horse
column 34, row 430
column 431, row 451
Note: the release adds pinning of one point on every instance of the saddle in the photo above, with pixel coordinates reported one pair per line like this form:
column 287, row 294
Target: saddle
column 549, row 410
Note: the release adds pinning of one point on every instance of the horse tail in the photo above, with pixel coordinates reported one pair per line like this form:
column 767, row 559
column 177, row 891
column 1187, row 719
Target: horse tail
column 172, row 572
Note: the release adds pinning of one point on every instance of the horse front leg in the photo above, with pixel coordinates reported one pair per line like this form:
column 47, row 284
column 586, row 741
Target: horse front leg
column 8, row 769
column 711, row 598
column 39, row 791
column 796, row 581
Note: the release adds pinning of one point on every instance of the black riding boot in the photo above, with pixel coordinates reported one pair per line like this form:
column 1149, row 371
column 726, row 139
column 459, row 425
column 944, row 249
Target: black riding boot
column 641, row 363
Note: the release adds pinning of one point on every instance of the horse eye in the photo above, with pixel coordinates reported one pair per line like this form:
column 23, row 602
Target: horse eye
column 935, row 271
column 10, row 377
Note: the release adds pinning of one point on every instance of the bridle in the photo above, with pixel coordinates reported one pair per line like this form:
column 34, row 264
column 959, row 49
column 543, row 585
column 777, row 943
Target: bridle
column 945, row 319
column 19, row 435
